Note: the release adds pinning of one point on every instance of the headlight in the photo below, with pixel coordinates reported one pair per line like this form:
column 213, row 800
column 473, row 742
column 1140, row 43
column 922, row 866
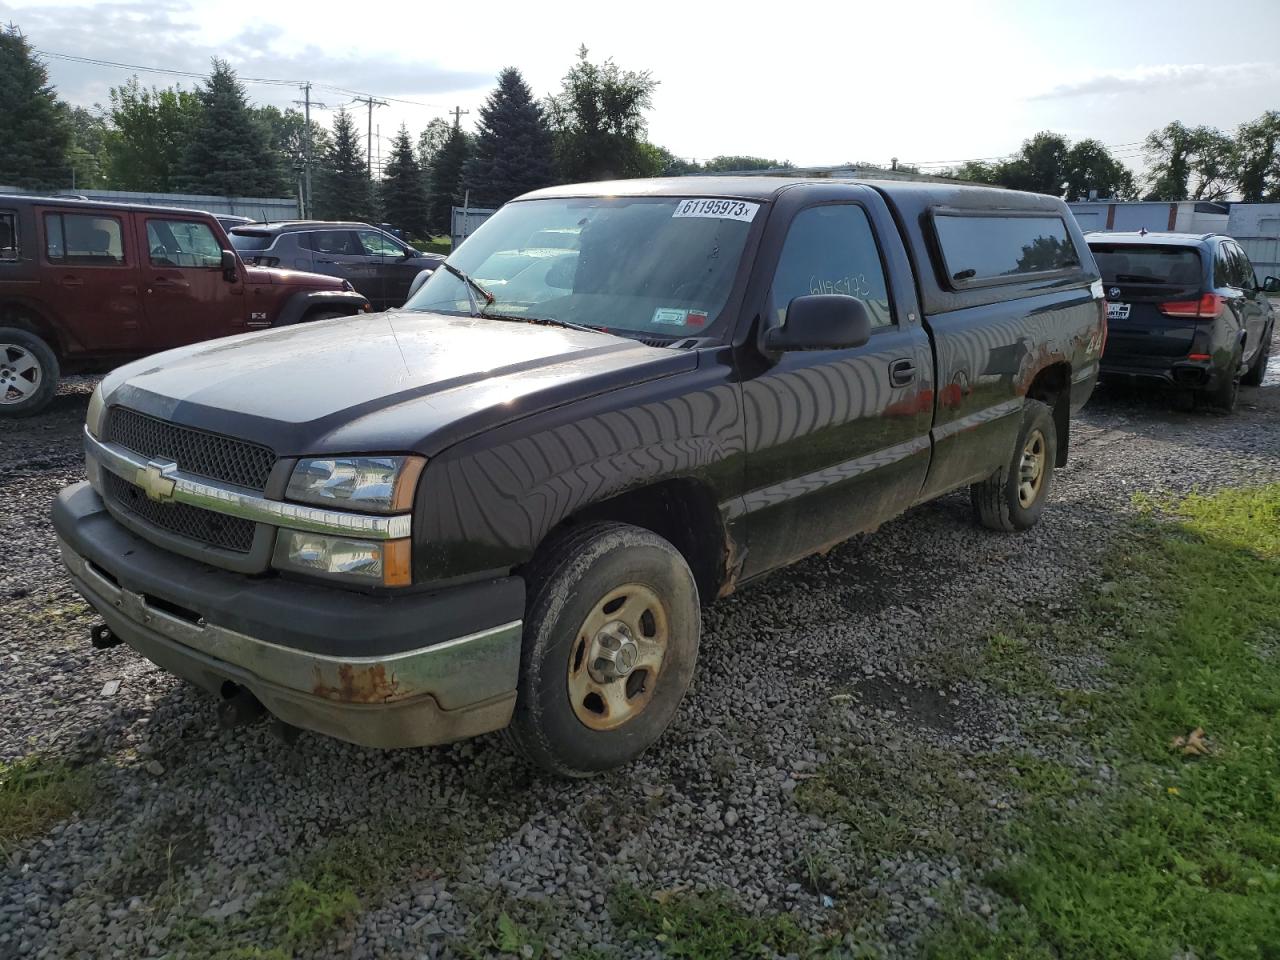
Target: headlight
column 374, row 484
column 382, row 562
column 93, row 420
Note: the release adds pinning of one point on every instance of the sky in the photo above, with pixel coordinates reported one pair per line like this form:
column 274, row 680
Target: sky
column 814, row 84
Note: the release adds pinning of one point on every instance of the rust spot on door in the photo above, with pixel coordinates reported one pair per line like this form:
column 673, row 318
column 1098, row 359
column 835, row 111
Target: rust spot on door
column 357, row 684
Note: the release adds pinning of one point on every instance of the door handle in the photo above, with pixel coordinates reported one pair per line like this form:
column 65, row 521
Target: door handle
column 901, row 372
column 166, row 282
column 71, row 282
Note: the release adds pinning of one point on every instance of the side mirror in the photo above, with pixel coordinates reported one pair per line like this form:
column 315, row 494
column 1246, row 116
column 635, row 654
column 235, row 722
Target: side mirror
column 1271, row 285
column 230, row 266
column 822, row 321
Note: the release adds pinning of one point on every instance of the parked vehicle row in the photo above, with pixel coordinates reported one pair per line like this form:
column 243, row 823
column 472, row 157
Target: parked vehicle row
column 378, row 264
column 502, row 506
column 86, row 286
column 1184, row 310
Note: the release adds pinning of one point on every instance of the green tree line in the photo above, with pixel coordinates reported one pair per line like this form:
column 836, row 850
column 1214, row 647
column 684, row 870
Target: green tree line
column 213, row 140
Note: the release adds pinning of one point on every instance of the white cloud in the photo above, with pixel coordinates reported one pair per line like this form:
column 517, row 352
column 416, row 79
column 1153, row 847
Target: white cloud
column 1166, row 77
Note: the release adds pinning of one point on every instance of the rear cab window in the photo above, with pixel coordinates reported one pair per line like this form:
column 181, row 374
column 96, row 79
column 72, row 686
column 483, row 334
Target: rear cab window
column 78, row 239
column 984, row 249
column 1148, row 265
column 8, row 237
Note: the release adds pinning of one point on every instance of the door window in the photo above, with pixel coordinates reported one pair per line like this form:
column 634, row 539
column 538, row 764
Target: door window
column 832, row 249
column 338, row 243
column 8, row 236
column 379, row 245
column 1223, row 270
column 83, row 240
column 1245, row 277
column 182, row 243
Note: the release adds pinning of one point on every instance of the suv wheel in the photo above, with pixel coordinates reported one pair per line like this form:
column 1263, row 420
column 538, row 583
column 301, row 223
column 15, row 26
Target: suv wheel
column 1013, row 497
column 610, row 641
column 28, row 373
column 1224, row 395
column 1258, row 369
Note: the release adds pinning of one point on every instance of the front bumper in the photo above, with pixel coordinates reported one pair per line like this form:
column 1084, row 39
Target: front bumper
column 381, row 671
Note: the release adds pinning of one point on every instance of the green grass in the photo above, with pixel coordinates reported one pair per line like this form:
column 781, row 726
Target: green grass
column 708, row 927
column 36, row 793
column 1183, row 853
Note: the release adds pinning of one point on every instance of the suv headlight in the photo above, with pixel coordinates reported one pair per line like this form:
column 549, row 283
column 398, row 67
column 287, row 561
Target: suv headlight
column 371, row 484
column 94, row 419
column 385, row 563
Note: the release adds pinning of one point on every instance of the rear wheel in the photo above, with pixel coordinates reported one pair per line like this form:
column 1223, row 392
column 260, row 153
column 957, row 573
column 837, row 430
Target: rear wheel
column 28, row 373
column 610, row 643
column 1013, row 497
column 1258, row 369
column 1224, row 395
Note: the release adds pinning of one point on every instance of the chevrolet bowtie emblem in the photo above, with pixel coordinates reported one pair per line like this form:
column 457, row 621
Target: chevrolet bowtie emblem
column 155, row 479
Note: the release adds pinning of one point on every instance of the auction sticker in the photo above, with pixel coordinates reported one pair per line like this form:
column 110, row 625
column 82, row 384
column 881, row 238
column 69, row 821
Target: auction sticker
column 672, row 316
column 716, row 209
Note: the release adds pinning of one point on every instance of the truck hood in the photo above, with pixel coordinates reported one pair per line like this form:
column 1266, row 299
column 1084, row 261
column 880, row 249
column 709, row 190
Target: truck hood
column 382, row 383
column 290, row 278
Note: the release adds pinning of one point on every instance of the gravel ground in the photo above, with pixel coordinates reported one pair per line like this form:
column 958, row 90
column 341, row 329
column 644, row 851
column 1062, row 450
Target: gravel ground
column 859, row 650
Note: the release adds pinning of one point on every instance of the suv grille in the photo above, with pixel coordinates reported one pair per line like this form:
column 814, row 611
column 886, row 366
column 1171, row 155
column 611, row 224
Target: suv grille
column 195, row 451
column 216, row 529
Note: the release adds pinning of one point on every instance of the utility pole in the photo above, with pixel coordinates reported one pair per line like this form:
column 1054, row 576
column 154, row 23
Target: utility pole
column 458, row 114
column 307, row 207
column 372, row 102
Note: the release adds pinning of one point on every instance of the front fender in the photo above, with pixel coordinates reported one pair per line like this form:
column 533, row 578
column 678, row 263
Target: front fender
column 306, row 301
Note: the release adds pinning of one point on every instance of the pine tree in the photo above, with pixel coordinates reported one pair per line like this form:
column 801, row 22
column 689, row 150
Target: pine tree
column 513, row 147
column 404, row 189
column 446, row 181
column 229, row 155
column 343, row 191
column 35, row 130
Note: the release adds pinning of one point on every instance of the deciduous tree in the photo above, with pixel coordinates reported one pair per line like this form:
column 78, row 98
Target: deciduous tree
column 1090, row 167
column 1257, row 158
column 150, row 132
column 598, row 121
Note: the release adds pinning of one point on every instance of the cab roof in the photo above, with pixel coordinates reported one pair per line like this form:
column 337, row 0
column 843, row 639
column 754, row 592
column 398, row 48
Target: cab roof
column 1152, row 238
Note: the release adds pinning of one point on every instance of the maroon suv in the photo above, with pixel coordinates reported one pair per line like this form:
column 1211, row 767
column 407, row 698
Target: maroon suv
column 85, row 286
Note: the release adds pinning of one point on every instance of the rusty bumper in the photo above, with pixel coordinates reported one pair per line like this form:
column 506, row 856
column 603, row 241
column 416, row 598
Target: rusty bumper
column 448, row 688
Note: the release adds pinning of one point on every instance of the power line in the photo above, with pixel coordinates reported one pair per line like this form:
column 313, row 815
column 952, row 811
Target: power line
column 166, row 70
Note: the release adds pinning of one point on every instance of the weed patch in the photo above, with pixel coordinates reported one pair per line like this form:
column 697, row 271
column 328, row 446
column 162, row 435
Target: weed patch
column 36, row 793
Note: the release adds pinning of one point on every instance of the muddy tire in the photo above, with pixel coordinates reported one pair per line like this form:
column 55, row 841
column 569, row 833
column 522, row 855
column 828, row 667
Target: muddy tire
column 1223, row 397
column 1258, row 369
column 28, row 373
column 1014, row 496
column 610, row 643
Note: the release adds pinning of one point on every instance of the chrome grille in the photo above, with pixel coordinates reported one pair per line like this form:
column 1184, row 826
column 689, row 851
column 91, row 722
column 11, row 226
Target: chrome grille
column 215, row 529
column 194, row 451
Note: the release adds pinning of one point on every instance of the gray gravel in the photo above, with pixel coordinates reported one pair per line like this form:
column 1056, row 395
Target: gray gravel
column 859, row 647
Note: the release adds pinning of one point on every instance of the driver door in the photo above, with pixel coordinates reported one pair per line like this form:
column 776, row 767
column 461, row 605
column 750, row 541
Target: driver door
column 185, row 297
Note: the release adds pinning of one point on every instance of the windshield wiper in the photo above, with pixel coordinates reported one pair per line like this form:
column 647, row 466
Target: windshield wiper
column 471, row 285
column 545, row 321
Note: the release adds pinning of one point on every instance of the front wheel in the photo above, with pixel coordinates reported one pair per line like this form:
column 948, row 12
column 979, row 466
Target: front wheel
column 28, row 373
column 610, row 642
column 1013, row 497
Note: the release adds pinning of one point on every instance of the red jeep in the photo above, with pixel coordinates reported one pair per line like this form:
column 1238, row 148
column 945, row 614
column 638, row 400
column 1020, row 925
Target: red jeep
column 85, row 286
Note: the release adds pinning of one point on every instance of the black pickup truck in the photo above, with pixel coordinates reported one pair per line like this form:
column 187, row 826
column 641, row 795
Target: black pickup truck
column 501, row 506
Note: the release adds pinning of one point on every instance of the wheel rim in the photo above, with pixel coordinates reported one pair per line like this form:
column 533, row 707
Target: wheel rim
column 20, row 373
column 1031, row 469
column 617, row 656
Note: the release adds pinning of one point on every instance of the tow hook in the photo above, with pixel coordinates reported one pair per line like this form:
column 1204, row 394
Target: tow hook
column 238, row 707
column 102, row 638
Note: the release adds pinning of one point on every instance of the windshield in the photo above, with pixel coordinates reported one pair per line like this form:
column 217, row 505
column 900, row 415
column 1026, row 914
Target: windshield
column 1122, row 263
column 659, row 267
